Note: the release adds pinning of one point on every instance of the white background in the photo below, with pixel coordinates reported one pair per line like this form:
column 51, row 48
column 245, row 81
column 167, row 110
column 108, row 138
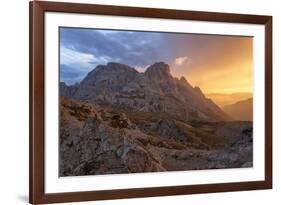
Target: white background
column 14, row 100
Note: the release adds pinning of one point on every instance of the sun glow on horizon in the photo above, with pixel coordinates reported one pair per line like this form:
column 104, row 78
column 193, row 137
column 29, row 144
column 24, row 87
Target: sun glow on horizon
column 226, row 74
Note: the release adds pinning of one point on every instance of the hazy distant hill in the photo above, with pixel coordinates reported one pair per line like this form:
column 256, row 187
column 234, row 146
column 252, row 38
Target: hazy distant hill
column 242, row 110
column 155, row 90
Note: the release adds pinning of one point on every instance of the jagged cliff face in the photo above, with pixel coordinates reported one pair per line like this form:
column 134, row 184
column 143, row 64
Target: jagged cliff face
column 155, row 90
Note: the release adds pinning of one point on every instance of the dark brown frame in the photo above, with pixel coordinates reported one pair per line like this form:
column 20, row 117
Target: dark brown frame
column 37, row 194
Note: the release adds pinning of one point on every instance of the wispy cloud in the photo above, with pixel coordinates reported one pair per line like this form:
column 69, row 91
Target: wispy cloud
column 69, row 56
column 181, row 60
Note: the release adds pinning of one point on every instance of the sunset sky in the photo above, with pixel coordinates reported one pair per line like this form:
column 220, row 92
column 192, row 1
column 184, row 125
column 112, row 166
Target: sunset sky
column 220, row 65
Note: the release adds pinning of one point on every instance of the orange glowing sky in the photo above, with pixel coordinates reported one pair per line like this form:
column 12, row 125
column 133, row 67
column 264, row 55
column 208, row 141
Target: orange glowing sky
column 223, row 70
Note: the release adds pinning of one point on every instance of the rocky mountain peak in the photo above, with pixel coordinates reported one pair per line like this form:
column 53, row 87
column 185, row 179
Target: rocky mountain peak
column 119, row 67
column 185, row 82
column 182, row 79
column 111, row 73
column 198, row 90
column 158, row 70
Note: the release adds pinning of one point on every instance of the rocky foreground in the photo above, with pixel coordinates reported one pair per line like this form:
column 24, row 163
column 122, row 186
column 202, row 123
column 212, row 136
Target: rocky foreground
column 97, row 140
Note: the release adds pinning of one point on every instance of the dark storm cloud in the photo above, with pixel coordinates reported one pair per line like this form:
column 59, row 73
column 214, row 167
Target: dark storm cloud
column 133, row 48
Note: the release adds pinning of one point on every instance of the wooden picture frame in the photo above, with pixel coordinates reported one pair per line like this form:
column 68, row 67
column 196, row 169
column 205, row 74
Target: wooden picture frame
column 38, row 9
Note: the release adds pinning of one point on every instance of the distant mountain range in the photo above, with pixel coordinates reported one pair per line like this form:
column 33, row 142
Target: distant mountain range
column 242, row 110
column 155, row 90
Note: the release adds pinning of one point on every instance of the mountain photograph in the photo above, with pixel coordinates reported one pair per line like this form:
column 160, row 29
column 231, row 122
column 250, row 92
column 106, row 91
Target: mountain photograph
column 137, row 102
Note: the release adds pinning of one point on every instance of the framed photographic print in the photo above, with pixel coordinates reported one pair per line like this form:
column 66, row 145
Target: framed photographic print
column 139, row 102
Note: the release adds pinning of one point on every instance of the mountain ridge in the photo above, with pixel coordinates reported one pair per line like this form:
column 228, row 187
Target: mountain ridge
column 155, row 90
